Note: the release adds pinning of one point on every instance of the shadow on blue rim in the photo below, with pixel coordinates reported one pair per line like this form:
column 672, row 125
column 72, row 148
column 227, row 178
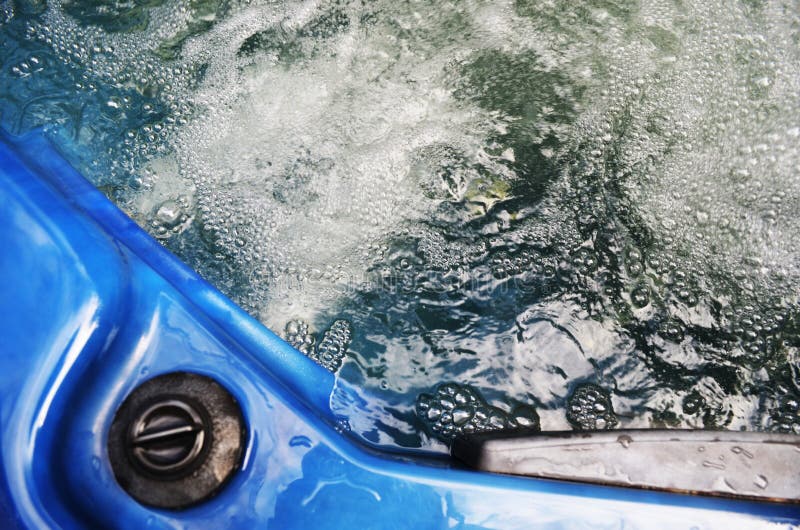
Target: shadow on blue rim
column 91, row 307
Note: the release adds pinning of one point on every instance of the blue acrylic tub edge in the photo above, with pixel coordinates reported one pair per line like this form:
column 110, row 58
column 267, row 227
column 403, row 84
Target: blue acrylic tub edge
column 304, row 376
column 310, row 384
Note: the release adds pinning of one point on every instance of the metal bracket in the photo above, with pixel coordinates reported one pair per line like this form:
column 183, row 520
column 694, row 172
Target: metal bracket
column 754, row 465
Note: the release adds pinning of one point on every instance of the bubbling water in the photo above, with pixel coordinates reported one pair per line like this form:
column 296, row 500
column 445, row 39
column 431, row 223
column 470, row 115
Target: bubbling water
column 584, row 212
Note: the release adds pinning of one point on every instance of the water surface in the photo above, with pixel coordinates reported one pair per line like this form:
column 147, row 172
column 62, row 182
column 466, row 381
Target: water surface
column 480, row 214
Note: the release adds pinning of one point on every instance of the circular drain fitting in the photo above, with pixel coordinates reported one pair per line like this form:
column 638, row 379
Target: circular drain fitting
column 176, row 440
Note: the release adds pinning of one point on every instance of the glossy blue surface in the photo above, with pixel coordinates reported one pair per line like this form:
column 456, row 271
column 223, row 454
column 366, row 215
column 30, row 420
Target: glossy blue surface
column 91, row 306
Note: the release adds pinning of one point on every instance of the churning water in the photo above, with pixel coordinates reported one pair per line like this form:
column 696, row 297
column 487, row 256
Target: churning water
column 482, row 214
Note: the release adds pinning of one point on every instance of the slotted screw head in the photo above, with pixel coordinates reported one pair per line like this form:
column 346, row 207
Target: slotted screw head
column 176, row 440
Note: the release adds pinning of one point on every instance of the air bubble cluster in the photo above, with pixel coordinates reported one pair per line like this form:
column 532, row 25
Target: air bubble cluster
column 333, row 346
column 170, row 217
column 786, row 416
column 454, row 410
column 589, row 409
column 331, row 350
column 299, row 336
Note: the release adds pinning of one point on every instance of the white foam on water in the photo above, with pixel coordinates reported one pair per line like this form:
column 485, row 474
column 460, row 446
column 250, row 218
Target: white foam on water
column 314, row 159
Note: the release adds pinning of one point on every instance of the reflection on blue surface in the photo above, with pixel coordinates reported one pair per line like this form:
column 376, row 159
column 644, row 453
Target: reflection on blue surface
column 331, row 485
column 90, row 307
